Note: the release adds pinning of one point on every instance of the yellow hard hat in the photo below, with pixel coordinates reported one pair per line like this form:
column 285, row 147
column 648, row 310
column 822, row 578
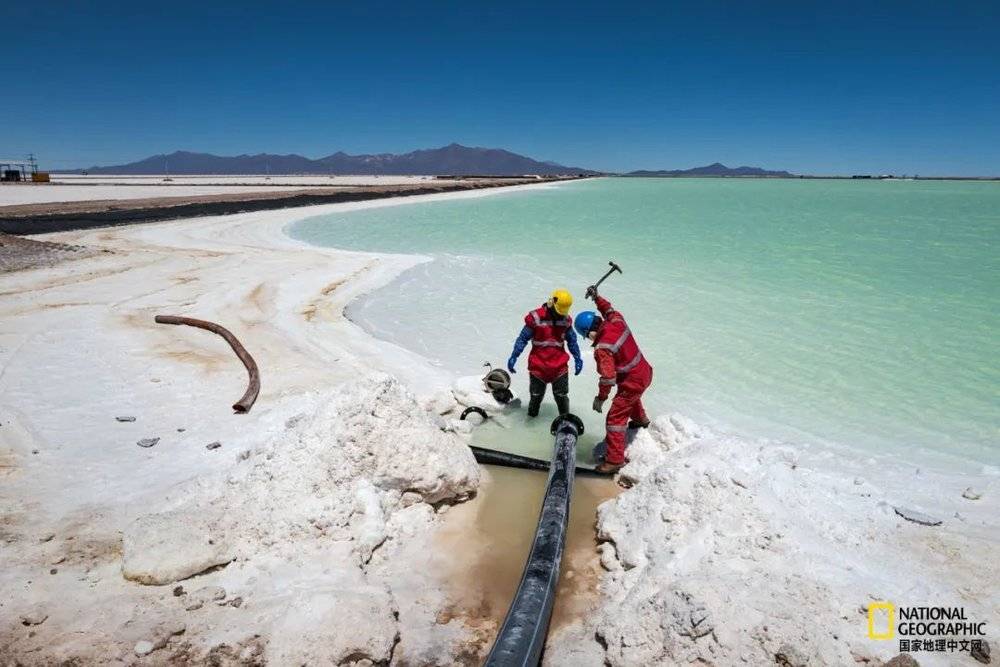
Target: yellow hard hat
column 561, row 301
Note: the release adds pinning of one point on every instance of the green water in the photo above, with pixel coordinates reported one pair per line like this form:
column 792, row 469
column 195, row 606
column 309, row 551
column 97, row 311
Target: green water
column 859, row 313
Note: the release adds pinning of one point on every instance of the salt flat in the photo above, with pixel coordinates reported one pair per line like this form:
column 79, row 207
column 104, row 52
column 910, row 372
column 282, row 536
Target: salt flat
column 72, row 187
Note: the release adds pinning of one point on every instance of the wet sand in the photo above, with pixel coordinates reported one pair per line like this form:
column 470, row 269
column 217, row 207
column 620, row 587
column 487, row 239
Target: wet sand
column 496, row 531
column 18, row 253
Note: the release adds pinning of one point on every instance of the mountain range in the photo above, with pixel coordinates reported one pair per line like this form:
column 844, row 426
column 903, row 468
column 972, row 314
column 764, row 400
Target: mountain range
column 714, row 169
column 453, row 159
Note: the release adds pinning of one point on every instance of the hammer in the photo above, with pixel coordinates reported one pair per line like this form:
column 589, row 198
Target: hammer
column 592, row 290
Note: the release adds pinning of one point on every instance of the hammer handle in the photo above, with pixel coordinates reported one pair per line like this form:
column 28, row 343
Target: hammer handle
column 598, row 283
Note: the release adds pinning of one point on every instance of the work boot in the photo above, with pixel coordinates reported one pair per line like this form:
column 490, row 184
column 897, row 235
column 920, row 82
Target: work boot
column 536, row 391
column 606, row 468
column 560, row 392
column 633, row 424
column 533, row 405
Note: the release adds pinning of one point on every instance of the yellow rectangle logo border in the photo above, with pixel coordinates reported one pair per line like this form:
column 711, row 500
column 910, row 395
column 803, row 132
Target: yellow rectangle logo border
column 890, row 609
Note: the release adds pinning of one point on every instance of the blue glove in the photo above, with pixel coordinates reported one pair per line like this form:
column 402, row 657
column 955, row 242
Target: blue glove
column 574, row 349
column 511, row 362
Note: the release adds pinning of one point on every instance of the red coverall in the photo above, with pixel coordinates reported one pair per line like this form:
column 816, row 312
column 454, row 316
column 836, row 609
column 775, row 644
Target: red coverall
column 548, row 357
column 619, row 361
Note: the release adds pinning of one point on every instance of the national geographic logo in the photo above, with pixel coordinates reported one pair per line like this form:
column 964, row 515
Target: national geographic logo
column 881, row 620
column 926, row 629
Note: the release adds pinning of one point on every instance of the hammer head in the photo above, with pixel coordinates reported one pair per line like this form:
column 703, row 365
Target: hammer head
column 615, row 267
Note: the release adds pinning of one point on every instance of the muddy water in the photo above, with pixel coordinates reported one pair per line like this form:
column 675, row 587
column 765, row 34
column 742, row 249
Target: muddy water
column 492, row 534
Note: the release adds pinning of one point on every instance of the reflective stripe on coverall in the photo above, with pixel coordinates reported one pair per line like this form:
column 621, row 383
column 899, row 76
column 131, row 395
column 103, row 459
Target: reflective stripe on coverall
column 548, row 357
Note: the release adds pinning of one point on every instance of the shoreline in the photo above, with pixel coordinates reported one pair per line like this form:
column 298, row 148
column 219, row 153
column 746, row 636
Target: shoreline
column 767, row 512
column 55, row 217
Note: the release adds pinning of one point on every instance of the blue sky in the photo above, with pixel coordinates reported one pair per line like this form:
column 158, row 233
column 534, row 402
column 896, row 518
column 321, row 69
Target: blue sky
column 833, row 87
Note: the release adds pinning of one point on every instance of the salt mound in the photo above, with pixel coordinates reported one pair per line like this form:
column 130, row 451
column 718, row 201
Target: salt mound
column 386, row 437
column 320, row 523
column 333, row 466
column 715, row 523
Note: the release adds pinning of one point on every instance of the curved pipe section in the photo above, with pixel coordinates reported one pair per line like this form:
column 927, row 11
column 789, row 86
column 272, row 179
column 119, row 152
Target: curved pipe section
column 473, row 409
column 246, row 401
column 522, row 637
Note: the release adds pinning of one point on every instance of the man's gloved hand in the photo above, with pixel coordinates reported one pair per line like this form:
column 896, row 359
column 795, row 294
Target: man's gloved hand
column 598, row 404
column 578, row 365
column 511, row 362
column 591, row 292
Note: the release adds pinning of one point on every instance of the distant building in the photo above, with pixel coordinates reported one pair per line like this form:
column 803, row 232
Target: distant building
column 13, row 170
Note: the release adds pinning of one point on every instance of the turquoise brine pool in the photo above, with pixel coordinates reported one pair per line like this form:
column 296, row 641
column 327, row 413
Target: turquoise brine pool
column 863, row 313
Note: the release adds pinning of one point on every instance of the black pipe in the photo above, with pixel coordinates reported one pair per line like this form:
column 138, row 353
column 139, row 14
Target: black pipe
column 493, row 457
column 474, row 409
column 506, row 459
column 522, row 636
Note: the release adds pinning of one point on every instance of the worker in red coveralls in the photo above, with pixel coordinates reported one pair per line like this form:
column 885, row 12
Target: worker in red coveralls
column 619, row 362
column 549, row 329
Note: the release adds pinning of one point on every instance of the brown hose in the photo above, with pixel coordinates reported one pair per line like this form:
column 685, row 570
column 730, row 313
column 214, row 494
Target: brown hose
column 243, row 405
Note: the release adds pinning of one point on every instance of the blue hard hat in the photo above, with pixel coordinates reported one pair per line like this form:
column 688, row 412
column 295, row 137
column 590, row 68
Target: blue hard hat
column 584, row 322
